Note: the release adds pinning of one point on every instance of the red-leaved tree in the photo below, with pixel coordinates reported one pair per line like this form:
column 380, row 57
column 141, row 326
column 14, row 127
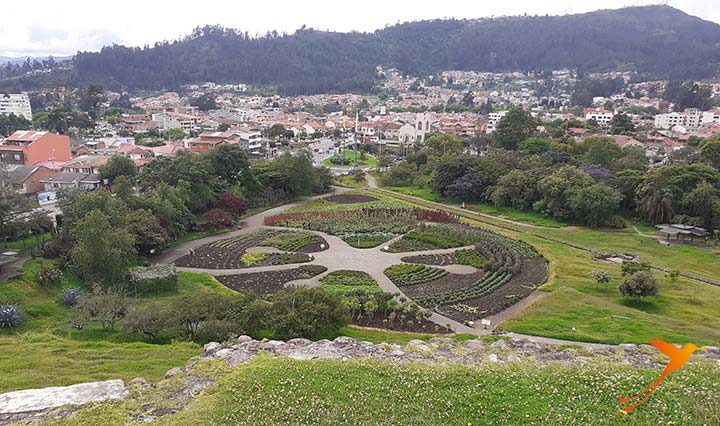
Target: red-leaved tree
column 218, row 219
column 233, row 204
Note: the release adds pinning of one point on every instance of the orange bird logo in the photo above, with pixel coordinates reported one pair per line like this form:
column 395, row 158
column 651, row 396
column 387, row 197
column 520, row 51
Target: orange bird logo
column 678, row 358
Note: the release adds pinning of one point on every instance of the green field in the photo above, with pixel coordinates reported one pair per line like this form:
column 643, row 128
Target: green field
column 269, row 391
column 501, row 212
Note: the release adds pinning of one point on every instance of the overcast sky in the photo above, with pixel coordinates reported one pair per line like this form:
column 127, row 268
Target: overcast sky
column 42, row 27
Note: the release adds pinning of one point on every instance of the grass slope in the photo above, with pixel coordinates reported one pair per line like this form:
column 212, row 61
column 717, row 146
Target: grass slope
column 46, row 351
column 270, row 391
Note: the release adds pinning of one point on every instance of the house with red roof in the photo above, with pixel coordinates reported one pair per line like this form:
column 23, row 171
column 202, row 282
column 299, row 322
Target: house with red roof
column 28, row 147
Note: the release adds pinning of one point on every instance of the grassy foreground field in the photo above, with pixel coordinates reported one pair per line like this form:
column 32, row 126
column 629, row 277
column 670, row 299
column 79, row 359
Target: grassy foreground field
column 578, row 309
column 270, row 391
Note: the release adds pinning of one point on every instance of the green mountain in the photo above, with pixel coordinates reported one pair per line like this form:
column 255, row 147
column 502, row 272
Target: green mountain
column 656, row 41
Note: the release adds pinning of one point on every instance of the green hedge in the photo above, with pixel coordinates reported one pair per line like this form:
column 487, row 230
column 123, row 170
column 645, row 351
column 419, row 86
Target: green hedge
column 153, row 280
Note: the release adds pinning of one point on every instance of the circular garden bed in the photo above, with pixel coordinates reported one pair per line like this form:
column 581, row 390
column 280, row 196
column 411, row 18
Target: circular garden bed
column 264, row 283
column 232, row 253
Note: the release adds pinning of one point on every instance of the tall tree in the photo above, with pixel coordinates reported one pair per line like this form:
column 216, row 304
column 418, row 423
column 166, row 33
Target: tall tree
column 102, row 253
column 516, row 126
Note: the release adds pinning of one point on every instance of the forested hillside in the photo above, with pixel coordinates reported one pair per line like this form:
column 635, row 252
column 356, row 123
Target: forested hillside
column 657, row 41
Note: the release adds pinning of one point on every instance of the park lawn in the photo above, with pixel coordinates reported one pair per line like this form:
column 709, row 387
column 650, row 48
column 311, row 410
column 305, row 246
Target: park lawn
column 273, row 391
column 41, row 359
column 424, row 193
column 350, row 155
column 517, row 215
column 349, row 181
column 46, row 351
column 486, row 208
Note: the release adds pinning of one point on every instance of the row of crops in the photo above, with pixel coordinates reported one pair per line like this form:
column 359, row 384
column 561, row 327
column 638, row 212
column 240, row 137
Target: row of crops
column 486, row 285
column 407, row 275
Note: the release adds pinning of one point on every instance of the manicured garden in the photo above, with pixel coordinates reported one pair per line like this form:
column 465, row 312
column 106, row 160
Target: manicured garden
column 347, row 158
column 363, row 224
column 346, row 281
column 406, row 275
column 266, row 283
column 232, row 253
column 578, row 309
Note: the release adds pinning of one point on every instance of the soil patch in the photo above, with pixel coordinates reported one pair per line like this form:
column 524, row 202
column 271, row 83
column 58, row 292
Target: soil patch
column 264, row 283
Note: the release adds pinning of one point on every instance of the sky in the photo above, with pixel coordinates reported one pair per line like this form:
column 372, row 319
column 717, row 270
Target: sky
column 44, row 27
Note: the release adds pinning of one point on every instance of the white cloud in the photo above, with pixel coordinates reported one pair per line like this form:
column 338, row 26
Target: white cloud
column 44, row 27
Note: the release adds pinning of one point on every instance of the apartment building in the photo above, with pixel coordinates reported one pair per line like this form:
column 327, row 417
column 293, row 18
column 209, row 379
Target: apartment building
column 28, row 147
column 15, row 103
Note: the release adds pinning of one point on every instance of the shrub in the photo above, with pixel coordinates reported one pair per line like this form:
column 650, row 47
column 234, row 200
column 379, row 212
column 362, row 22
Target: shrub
column 640, row 284
column 145, row 322
column 48, row 277
column 251, row 259
column 629, row 268
column 311, row 313
column 233, row 204
column 600, row 277
column 103, row 306
column 11, row 316
column 70, row 296
column 218, row 219
column 153, row 279
column 207, row 317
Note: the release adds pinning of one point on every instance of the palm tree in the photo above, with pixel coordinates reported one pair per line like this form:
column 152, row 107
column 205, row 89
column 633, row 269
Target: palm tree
column 657, row 205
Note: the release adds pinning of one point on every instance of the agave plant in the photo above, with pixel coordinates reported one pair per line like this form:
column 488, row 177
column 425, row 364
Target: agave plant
column 11, row 316
column 70, row 296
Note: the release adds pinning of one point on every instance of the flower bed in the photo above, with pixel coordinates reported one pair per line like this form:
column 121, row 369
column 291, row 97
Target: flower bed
column 407, row 275
column 264, row 283
column 343, row 282
column 353, row 278
column 470, row 257
column 389, row 214
column 511, row 271
column 232, row 253
column 350, row 198
column 305, row 242
column 384, row 310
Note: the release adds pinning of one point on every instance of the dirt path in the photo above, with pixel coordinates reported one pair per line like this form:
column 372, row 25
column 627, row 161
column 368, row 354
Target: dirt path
column 371, row 181
column 11, row 269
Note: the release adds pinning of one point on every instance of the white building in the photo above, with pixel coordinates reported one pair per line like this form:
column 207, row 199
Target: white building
column 15, row 103
column 711, row 117
column 493, row 120
column 416, row 133
column 691, row 118
column 600, row 116
column 166, row 121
